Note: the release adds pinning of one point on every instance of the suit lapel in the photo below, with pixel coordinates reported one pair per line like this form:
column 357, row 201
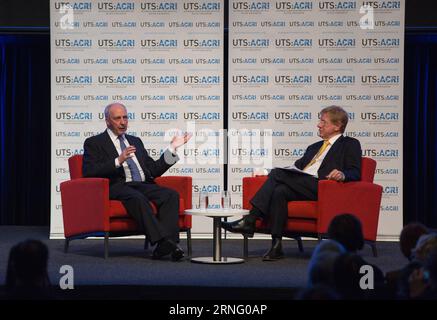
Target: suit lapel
column 332, row 152
column 312, row 152
column 108, row 145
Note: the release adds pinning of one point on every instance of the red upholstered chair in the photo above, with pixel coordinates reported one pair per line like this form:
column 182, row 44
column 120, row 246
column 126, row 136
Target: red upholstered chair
column 312, row 218
column 88, row 212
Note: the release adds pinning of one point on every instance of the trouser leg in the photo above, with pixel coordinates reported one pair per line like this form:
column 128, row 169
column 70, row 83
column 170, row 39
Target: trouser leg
column 136, row 198
column 279, row 209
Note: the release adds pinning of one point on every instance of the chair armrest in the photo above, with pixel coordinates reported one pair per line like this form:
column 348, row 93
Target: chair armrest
column 182, row 184
column 251, row 186
column 85, row 205
column 362, row 199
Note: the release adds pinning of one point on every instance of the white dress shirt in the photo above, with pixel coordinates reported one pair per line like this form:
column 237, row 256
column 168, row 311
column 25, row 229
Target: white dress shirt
column 312, row 170
column 126, row 169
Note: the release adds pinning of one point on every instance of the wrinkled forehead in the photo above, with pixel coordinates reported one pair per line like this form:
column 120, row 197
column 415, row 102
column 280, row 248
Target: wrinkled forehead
column 116, row 109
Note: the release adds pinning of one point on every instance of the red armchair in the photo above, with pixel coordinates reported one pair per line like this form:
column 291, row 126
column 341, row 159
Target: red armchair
column 312, row 218
column 88, row 212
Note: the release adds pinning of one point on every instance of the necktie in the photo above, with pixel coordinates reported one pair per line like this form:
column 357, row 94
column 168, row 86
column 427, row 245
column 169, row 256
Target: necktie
column 318, row 154
column 135, row 172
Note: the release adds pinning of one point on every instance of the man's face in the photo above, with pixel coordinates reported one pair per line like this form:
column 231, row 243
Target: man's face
column 117, row 120
column 326, row 128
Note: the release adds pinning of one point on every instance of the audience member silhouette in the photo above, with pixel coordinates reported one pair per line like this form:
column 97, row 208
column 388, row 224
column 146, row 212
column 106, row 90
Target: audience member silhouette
column 409, row 236
column 417, row 279
column 347, row 230
column 397, row 280
column 428, row 278
column 320, row 267
column 27, row 276
column 425, row 244
column 403, row 280
column 349, row 279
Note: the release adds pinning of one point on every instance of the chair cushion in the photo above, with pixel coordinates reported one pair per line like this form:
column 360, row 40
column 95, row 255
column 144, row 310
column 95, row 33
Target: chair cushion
column 124, row 225
column 301, row 225
column 117, row 209
column 302, row 209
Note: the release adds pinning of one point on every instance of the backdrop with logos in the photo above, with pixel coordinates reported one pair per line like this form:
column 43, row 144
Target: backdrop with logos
column 163, row 60
column 289, row 59
column 286, row 60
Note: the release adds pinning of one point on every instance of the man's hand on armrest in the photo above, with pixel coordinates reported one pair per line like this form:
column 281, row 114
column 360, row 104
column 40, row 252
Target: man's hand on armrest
column 336, row 175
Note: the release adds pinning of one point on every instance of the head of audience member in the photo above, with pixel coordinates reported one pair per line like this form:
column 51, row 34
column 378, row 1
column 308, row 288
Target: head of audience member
column 322, row 261
column 409, row 236
column 27, row 266
column 425, row 244
column 347, row 230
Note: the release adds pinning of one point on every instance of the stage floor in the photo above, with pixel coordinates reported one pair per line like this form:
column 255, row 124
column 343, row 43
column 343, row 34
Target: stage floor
column 129, row 266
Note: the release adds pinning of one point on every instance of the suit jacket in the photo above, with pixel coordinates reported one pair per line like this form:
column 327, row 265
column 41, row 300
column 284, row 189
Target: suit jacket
column 100, row 153
column 344, row 155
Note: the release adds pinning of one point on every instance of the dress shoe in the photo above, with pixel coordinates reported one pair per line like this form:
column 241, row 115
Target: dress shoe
column 275, row 251
column 164, row 247
column 177, row 254
column 245, row 226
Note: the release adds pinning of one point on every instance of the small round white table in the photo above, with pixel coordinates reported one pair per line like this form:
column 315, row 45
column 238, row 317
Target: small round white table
column 217, row 215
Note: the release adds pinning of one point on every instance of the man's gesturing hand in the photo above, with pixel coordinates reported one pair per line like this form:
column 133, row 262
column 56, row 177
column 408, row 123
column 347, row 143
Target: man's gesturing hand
column 179, row 140
column 127, row 153
column 336, row 175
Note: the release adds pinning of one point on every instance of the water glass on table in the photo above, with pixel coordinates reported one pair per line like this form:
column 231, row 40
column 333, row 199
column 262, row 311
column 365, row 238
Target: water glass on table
column 203, row 200
column 226, row 200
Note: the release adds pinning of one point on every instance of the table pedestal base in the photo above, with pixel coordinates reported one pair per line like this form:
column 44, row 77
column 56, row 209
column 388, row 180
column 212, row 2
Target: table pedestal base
column 223, row 260
column 217, row 216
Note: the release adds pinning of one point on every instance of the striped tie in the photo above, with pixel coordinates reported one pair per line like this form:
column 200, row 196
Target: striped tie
column 135, row 172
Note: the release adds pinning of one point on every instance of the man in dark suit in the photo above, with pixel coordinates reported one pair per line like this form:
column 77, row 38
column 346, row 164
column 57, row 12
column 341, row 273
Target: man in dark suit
column 336, row 157
column 131, row 171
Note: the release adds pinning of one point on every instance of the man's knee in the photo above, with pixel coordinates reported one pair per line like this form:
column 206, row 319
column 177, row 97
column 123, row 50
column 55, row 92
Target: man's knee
column 136, row 201
column 274, row 172
column 173, row 194
column 281, row 191
column 170, row 195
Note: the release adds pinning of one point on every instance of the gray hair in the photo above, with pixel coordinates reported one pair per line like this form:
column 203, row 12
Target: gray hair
column 106, row 111
column 337, row 115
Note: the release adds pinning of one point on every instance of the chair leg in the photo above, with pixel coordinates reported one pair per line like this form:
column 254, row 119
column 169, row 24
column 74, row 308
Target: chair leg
column 245, row 247
column 106, row 241
column 146, row 243
column 189, row 242
column 66, row 244
column 299, row 244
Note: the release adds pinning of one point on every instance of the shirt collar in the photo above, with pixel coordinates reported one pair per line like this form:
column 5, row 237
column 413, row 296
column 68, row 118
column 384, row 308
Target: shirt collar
column 112, row 135
column 334, row 138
